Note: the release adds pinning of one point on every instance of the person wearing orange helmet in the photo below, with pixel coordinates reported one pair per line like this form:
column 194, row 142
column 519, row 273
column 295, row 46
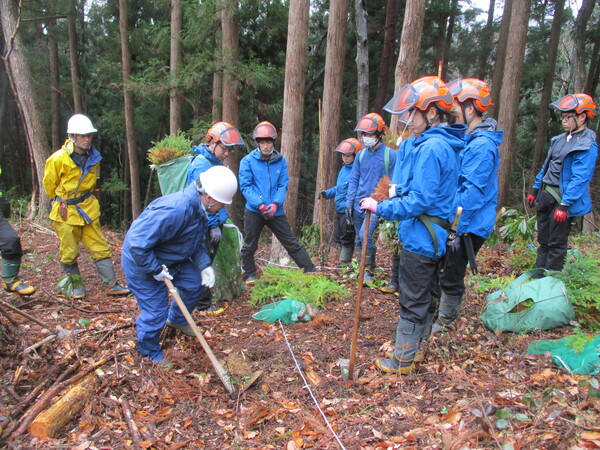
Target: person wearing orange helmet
column 343, row 230
column 477, row 192
column 423, row 200
column 263, row 182
column 561, row 186
column 222, row 139
column 372, row 163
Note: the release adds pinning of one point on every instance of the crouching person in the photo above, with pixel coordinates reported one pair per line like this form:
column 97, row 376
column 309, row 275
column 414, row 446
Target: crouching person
column 167, row 242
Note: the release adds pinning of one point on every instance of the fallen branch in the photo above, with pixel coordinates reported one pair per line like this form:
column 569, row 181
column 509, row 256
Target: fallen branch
column 133, row 428
column 48, row 423
column 39, row 344
column 42, row 229
column 50, row 377
column 49, row 395
column 27, row 316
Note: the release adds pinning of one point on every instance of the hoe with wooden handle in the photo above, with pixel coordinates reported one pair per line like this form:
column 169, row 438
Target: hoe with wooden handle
column 221, row 372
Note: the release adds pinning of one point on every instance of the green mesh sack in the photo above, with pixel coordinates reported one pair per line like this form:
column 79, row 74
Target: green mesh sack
column 568, row 354
column 288, row 311
column 172, row 175
column 229, row 283
column 529, row 304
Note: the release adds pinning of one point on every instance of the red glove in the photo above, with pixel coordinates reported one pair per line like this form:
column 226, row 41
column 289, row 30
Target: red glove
column 560, row 213
column 263, row 209
column 271, row 209
column 531, row 200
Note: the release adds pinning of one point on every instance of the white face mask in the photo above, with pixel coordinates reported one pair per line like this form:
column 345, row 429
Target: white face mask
column 370, row 141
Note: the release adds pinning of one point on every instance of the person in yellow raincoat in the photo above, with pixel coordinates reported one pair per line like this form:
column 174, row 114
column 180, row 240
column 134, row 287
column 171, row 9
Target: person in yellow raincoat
column 69, row 180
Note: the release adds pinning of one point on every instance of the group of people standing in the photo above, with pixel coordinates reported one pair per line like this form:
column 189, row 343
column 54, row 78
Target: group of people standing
column 450, row 159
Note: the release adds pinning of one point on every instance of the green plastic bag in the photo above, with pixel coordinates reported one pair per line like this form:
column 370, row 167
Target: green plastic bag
column 523, row 305
column 288, row 311
column 172, row 175
column 583, row 361
column 229, row 283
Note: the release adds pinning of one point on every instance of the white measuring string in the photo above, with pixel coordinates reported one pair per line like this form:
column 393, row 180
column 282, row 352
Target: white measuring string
column 309, row 389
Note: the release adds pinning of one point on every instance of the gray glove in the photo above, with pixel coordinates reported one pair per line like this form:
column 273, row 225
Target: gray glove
column 215, row 236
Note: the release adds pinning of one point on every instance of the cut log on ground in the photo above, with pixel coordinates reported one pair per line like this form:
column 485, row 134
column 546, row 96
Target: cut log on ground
column 51, row 421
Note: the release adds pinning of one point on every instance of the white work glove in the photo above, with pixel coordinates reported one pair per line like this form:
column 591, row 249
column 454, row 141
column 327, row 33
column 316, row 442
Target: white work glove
column 392, row 192
column 208, row 277
column 164, row 273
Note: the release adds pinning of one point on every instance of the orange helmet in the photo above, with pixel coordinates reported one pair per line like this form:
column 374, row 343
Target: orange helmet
column 371, row 123
column 349, row 146
column 264, row 130
column 225, row 133
column 579, row 102
column 472, row 88
column 421, row 94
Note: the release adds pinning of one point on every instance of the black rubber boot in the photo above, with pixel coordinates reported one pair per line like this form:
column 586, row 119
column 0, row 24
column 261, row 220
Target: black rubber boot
column 449, row 311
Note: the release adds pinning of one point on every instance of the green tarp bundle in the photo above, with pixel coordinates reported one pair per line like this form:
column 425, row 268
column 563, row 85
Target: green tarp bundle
column 570, row 354
column 288, row 311
column 529, row 304
column 229, row 282
column 172, row 177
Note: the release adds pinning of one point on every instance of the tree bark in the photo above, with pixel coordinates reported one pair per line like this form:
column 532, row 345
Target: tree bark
column 540, row 137
column 594, row 70
column 134, row 171
column 293, row 100
column 440, row 50
column 332, row 104
column 509, row 97
column 78, row 103
column 578, row 55
column 362, row 59
column 217, row 82
column 231, row 102
column 20, row 78
column 410, row 44
column 496, row 86
column 54, row 84
column 386, row 57
column 454, row 10
column 175, row 96
column 486, row 43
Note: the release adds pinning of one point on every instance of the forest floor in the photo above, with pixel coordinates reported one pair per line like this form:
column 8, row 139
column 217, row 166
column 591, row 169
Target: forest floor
column 474, row 389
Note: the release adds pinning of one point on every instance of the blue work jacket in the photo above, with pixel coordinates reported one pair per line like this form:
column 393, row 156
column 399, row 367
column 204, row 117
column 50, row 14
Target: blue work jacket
column 171, row 230
column 203, row 161
column 577, row 171
column 478, row 180
column 339, row 191
column 264, row 182
column 431, row 168
column 367, row 170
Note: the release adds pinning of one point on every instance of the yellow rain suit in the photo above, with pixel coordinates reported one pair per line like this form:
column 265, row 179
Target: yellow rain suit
column 71, row 185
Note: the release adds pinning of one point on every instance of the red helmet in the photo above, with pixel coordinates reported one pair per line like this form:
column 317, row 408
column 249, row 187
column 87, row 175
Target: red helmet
column 371, row 123
column 421, row 94
column 264, row 130
column 472, row 88
column 579, row 102
column 225, row 133
column 349, row 146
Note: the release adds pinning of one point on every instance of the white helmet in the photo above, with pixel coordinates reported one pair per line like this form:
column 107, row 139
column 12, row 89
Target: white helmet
column 80, row 124
column 220, row 183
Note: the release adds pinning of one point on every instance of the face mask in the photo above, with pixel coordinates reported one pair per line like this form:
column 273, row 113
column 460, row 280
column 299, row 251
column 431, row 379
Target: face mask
column 370, row 141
